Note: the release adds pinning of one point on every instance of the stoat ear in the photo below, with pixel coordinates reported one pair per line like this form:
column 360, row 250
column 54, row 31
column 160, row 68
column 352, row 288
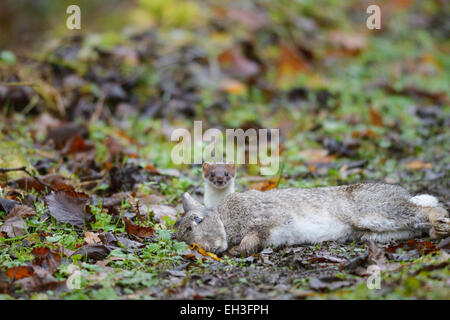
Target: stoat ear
column 231, row 166
column 206, row 166
column 190, row 203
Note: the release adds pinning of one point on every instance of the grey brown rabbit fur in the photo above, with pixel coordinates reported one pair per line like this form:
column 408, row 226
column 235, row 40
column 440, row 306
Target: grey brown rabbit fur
column 244, row 223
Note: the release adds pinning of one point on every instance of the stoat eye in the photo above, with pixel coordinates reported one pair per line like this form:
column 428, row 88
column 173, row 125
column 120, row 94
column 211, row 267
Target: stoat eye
column 226, row 174
column 212, row 174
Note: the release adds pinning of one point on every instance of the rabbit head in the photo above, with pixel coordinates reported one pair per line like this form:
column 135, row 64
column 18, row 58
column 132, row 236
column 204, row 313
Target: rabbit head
column 201, row 226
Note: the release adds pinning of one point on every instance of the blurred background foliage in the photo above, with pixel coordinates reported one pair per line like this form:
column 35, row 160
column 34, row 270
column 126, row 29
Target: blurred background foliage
column 310, row 68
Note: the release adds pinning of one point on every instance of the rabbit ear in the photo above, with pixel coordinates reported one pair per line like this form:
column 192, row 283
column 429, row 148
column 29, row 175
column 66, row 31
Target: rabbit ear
column 190, row 203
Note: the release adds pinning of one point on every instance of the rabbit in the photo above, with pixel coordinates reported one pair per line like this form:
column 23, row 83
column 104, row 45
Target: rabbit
column 244, row 223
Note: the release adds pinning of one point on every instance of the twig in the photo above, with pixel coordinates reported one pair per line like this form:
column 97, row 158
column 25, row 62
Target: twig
column 18, row 84
column 279, row 176
column 24, row 169
column 98, row 108
column 3, row 170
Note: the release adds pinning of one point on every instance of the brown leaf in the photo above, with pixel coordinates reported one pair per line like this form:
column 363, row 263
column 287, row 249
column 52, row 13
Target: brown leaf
column 91, row 238
column 20, row 272
column 159, row 211
column 316, row 155
column 113, row 145
column 232, row 86
column 204, row 252
column 93, row 252
column 417, row 165
column 46, row 258
column 364, row 134
column 137, row 230
column 375, row 118
column 41, row 280
column 348, row 43
column 20, row 211
column 265, row 185
column 57, row 182
column 413, row 244
column 14, row 225
column 69, row 207
column 7, row 204
column 238, row 64
column 291, row 62
column 152, row 168
column 76, row 144
column 65, row 132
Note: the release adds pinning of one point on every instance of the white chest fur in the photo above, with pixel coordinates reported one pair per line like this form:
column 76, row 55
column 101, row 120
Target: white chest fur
column 213, row 195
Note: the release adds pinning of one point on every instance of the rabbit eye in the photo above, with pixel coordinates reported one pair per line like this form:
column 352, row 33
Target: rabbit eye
column 212, row 174
column 226, row 174
column 198, row 220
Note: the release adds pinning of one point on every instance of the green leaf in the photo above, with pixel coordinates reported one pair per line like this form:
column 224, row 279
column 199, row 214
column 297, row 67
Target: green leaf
column 8, row 57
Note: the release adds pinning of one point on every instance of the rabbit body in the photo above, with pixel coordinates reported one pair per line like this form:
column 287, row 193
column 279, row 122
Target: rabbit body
column 246, row 222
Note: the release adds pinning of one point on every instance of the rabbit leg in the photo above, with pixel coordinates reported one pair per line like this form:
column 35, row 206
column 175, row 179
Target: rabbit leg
column 249, row 245
column 440, row 222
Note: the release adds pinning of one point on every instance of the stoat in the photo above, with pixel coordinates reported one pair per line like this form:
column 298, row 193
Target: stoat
column 219, row 182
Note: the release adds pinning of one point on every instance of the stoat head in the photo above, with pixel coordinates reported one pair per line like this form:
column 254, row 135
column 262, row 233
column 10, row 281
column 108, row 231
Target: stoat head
column 219, row 174
column 201, row 226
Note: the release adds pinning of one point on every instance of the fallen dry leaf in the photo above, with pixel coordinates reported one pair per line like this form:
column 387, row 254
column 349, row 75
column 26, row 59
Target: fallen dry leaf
column 20, row 272
column 412, row 244
column 14, row 225
column 69, row 207
column 137, row 230
column 417, row 165
column 238, row 64
column 41, row 280
column 159, row 211
column 20, row 211
column 316, row 155
column 375, row 118
column 46, row 258
column 265, row 185
column 91, row 238
column 65, row 132
column 93, row 252
column 57, row 182
column 76, row 144
column 232, row 86
column 364, row 134
column 7, row 204
column 204, row 252
column 348, row 43
column 291, row 62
